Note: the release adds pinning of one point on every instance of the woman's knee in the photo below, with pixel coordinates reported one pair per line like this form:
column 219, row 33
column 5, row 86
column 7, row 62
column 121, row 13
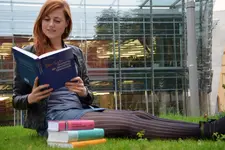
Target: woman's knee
column 139, row 112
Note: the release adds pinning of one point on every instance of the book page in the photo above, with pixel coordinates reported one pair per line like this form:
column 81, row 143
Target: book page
column 25, row 52
column 53, row 52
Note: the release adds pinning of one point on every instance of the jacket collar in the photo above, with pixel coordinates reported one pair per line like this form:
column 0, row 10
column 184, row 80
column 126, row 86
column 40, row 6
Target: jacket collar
column 64, row 45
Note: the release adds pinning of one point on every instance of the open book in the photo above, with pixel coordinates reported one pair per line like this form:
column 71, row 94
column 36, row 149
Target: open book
column 53, row 68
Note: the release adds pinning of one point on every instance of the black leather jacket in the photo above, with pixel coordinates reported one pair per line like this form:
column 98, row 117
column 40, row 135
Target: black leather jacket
column 36, row 113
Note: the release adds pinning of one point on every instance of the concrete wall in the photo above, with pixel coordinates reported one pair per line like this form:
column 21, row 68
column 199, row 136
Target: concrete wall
column 221, row 90
column 218, row 46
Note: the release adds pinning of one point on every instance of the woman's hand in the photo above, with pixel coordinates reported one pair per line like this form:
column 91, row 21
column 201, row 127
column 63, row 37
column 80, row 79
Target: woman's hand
column 39, row 92
column 77, row 85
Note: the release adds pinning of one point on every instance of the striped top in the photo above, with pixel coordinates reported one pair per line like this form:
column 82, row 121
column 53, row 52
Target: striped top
column 63, row 99
column 65, row 105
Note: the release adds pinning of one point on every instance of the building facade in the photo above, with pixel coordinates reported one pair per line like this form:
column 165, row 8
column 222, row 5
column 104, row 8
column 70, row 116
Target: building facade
column 218, row 62
column 136, row 51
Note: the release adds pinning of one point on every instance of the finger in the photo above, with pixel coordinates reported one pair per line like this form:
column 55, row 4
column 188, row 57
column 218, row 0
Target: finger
column 74, row 84
column 70, row 84
column 80, row 92
column 77, row 89
column 80, row 85
column 41, row 87
column 44, row 93
column 44, row 96
column 35, row 83
column 77, row 79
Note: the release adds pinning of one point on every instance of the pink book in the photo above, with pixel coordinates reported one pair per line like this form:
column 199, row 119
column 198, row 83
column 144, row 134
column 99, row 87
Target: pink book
column 64, row 125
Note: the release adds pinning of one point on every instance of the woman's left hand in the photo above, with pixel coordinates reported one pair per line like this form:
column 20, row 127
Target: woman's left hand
column 77, row 85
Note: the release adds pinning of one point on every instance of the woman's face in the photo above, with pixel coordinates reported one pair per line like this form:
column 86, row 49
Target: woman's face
column 54, row 24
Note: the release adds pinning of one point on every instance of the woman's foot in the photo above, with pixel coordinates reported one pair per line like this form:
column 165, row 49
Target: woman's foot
column 211, row 127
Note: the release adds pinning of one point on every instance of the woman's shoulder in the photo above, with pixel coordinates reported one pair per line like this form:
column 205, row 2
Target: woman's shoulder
column 29, row 48
column 76, row 50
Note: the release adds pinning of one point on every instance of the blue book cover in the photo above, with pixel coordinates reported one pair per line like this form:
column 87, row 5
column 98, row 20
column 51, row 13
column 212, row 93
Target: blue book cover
column 53, row 68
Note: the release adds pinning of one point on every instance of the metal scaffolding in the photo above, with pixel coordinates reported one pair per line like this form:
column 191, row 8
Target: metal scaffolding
column 205, row 45
column 161, row 77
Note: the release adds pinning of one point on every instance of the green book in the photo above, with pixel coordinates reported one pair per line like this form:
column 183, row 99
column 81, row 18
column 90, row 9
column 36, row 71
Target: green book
column 75, row 135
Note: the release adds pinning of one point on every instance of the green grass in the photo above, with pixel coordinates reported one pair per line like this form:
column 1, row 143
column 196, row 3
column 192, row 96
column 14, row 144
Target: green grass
column 18, row 138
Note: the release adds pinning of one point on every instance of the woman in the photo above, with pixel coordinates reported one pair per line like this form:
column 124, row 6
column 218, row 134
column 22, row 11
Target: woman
column 73, row 101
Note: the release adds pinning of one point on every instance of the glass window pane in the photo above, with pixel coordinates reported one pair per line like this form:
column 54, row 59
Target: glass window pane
column 133, row 101
column 100, row 2
column 163, row 2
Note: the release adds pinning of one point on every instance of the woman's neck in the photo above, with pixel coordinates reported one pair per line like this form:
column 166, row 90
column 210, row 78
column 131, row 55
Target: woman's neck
column 56, row 43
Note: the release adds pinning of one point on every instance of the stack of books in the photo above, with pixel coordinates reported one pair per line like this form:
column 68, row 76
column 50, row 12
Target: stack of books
column 74, row 133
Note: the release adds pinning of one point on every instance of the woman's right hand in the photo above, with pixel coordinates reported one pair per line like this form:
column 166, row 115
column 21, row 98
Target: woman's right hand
column 39, row 92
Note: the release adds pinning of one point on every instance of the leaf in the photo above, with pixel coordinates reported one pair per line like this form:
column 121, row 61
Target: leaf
column 223, row 86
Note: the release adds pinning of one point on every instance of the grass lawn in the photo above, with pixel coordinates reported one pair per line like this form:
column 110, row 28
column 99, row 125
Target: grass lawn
column 18, row 138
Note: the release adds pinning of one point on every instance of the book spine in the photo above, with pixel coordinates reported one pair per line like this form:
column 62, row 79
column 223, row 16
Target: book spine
column 39, row 71
column 87, row 143
column 76, row 144
column 75, row 125
column 39, row 66
column 61, row 126
column 60, row 145
column 83, row 135
column 79, row 124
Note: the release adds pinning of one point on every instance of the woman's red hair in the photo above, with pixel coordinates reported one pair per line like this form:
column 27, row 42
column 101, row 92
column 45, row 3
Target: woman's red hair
column 41, row 42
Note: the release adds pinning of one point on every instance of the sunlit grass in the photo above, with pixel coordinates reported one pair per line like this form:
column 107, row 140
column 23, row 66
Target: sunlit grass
column 18, row 138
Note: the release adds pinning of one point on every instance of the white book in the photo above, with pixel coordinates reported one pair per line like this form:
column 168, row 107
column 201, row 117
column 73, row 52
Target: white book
column 75, row 135
column 76, row 144
column 60, row 145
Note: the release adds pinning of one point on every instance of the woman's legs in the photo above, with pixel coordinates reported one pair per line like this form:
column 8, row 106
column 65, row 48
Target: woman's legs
column 145, row 115
column 128, row 124
column 141, row 114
